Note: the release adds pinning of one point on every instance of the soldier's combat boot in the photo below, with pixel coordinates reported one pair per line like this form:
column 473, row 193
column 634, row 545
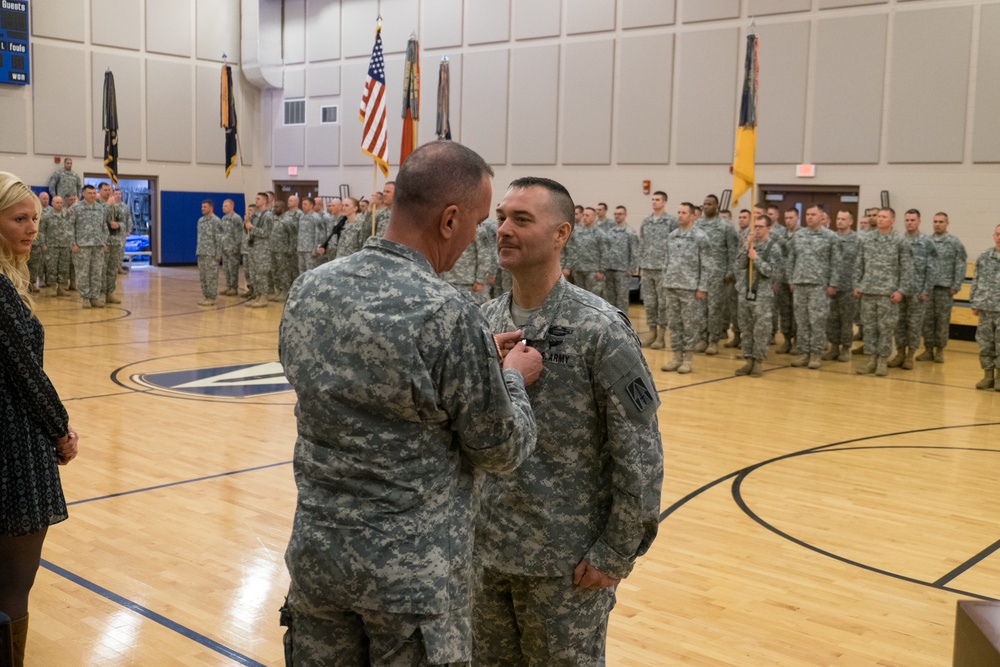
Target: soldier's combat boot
column 111, row 298
column 926, row 355
column 685, row 366
column 908, row 360
column 801, row 361
column 987, row 381
column 650, row 336
column 845, row 354
column 938, row 355
column 713, row 348
column 869, row 367
column 832, row 353
column 746, row 368
column 701, row 346
column 881, row 368
column 735, row 342
column 658, row 343
column 785, row 347
column 674, row 363
column 758, row 368
column 814, row 361
column 897, row 360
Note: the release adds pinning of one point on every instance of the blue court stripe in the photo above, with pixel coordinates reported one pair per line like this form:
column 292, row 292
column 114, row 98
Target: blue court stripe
column 183, row 481
column 233, row 655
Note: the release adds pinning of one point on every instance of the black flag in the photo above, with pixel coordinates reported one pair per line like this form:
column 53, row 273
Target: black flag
column 229, row 117
column 110, row 126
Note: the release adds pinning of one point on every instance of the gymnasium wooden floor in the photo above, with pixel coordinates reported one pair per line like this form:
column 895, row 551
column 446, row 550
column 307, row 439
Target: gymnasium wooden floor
column 809, row 517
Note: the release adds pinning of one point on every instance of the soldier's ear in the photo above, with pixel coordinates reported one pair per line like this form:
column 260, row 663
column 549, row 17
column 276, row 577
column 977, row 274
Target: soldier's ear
column 563, row 230
column 448, row 222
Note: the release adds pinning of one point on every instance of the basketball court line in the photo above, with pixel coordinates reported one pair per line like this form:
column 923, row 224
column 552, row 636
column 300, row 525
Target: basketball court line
column 159, row 340
column 969, row 564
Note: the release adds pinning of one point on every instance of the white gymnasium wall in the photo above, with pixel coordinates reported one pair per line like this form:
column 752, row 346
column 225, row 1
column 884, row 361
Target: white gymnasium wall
column 166, row 56
column 897, row 95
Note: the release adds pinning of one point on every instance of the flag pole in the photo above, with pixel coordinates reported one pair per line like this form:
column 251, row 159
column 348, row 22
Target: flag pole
column 374, row 187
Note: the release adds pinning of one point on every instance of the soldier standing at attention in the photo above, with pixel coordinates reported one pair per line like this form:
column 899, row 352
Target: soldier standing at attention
column 913, row 305
column 687, row 265
column 603, row 223
column 284, row 244
column 472, row 268
column 585, row 254
column 65, row 182
column 118, row 218
column 732, row 299
column 58, row 230
column 985, row 301
column 258, row 229
column 784, row 301
column 232, row 239
column 652, row 248
column 208, row 249
column 305, row 240
column 620, row 261
column 385, row 208
column 555, row 536
column 949, row 273
column 812, row 258
column 723, row 242
column 883, row 274
column 843, row 304
column 756, row 297
column 90, row 243
column 380, row 555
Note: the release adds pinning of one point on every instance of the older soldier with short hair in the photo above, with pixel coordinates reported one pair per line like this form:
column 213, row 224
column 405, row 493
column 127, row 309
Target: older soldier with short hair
column 843, row 303
column 402, row 400
column 687, row 266
column 756, row 287
column 556, row 536
column 883, row 274
column 90, row 239
column 232, row 239
column 949, row 274
column 985, row 301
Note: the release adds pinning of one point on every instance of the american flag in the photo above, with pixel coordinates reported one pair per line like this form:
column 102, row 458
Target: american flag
column 372, row 113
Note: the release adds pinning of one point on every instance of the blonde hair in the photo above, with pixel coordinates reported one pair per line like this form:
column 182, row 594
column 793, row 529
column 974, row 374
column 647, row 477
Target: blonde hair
column 15, row 267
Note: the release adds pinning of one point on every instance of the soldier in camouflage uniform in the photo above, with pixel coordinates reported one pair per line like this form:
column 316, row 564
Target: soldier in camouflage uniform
column 687, row 265
column 57, row 227
column 385, row 208
column 232, row 239
column 949, row 274
column 556, row 536
column 355, row 231
column 883, row 274
column 90, row 238
column 306, row 240
column 118, row 218
column 620, row 261
column 65, row 182
column 652, row 249
column 783, row 319
column 732, row 300
column 813, row 255
column 208, row 249
column 602, row 221
column 843, row 304
column 402, row 399
column 724, row 245
column 985, row 301
column 585, row 254
column 913, row 305
column 471, row 270
column 488, row 228
column 246, row 249
column 756, row 298
column 284, row 245
column 258, row 229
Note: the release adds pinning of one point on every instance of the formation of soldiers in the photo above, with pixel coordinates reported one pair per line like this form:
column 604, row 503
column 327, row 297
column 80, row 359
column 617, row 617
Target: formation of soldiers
column 81, row 240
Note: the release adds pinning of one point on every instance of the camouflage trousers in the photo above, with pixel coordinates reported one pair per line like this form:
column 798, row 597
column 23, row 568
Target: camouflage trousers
column 231, row 268
column 911, row 322
column 812, row 308
column 249, row 269
column 90, row 265
column 283, row 266
column 589, row 281
column 260, row 261
column 57, row 266
column 782, row 317
column 686, row 318
column 115, row 255
column 755, row 323
column 651, row 292
column 988, row 338
column 616, row 289
column 716, row 315
column 733, row 308
column 843, row 314
column 879, row 316
column 342, row 637
column 521, row 621
column 937, row 318
column 306, row 262
column 208, row 276
column 36, row 265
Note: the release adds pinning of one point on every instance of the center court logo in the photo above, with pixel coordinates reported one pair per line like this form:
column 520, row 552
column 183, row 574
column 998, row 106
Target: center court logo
column 239, row 381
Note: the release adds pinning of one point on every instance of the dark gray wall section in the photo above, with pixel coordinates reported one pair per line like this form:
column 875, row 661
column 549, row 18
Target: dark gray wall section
column 59, row 90
column 644, row 100
column 587, row 96
column 986, row 122
column 847, row 98
column 534, row 90
column 706, row 91
column 784, row 49
column 484, row 104
column 929, row 85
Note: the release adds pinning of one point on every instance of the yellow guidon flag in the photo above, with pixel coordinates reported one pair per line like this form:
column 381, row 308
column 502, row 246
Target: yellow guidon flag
column 746, row 132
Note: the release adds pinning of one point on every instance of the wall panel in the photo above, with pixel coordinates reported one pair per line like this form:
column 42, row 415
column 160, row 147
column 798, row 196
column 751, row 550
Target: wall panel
column 402, row 18
column 218, row 29
column 706, row 109
column 115, row 23
column 847, row 98
column 322, row 30
column 168, row 27
column 986, row 129
column 644, row 102
column 644, row 13
column 14, row 111
column 587, row 94
column 925, row 126
column 537, row 18
column 782, row 110
column 210, row 138
column 358, row 27
column 322, row 80
column 59, row 127
column 127, row 69
column 484, row 104
column 293, row 32
column 354, row 74
column 487, row 22
column 59, row 20
column 709, row 10
column 590, row 16
column 764, row 7
column 169, row 104
column 323, row 145
column 290, row 146
column 429, row 74
column 833, row 4
column 534, row 88
column 442, row 23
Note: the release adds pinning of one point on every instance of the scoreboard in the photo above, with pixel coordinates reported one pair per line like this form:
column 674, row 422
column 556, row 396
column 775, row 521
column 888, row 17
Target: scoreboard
column 14, row 42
